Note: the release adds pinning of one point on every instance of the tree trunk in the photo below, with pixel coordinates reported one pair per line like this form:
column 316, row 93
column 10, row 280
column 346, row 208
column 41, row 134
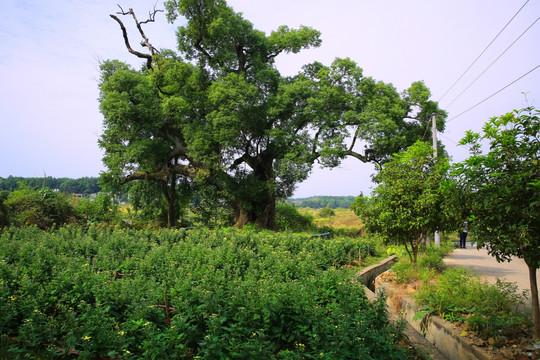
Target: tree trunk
column 171, row 213
column 169, row 192
column 241, row 216
column 262, row 214
column 258, row 208
column 534, row 299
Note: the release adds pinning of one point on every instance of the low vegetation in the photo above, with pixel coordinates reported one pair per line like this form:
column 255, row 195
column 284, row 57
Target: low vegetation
column 493, row 312
column 211, row 294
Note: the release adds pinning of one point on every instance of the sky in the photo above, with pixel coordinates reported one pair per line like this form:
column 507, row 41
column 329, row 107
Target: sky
column 49, row 69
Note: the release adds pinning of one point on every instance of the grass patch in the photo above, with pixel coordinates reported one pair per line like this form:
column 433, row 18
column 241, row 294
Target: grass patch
column 342, row 218
column 491, row 310
column 460, row 296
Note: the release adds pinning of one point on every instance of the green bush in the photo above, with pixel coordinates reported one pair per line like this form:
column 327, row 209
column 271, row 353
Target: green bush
column 288, row 218
column 460, row 296
column 173, row 294
column 428, row 265
column 100, row 209
column 431, row 259
column 4, row 213
column 326, row 212
column 43, row 208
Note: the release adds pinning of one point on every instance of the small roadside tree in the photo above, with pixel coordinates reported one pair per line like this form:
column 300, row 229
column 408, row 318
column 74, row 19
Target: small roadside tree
column 407, row 203
column 504, row 191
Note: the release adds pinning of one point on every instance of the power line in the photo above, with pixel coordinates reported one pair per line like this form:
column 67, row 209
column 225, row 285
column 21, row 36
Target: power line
column 474, row 62
column 447, row 138
column 494, row 61
column 492, row 95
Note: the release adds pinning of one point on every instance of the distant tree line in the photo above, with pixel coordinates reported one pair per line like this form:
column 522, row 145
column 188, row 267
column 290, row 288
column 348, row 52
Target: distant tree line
column 84, row 186
column 319, row 202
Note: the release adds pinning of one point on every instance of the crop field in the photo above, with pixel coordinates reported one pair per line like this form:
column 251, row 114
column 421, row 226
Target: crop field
column 172, row 294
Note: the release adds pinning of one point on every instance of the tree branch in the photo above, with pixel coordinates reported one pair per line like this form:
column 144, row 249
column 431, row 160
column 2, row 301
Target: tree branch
column 141, row 55
column 145, row 42
column 362, row 158
column 162, row 175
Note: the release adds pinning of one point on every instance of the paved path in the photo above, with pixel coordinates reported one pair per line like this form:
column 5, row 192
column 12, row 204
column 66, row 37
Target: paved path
column 488, row 268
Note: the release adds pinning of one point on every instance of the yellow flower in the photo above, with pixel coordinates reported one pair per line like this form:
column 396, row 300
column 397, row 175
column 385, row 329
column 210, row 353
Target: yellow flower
column 12, row 297
column 87, row 338
column 121, row 333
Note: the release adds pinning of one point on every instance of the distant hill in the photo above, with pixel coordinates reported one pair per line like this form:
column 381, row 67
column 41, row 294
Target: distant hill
column 85, row 185
column 319, row 202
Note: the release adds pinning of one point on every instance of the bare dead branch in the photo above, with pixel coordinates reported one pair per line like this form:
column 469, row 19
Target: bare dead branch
column 145, row 42
column 152, row 16
column 148, row 57
column 122, row 12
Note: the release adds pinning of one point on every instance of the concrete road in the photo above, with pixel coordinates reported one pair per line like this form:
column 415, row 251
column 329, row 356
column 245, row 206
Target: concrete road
column 487, row 267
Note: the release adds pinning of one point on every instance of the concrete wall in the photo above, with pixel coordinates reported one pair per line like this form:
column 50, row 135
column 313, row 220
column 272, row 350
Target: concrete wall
column 423, row 347
column 443, row 334
column 368, row 275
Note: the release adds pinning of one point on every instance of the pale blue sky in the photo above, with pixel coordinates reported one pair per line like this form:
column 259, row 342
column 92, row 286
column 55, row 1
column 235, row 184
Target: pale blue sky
column 49, row 118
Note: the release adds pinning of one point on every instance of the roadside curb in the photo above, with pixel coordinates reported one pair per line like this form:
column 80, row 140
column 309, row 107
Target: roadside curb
column 443, row 335
column 423, row 347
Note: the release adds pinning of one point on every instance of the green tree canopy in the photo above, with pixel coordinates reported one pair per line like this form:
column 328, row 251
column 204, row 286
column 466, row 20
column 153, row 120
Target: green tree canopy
column 407, row 203
column 219, row 113
column 503, row 190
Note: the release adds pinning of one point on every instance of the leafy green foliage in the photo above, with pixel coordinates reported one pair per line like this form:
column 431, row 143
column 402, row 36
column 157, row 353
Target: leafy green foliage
column 503, row 190
column 4, row 212
column 288, row 218
column 504, row 185
column 220, row 114
column 100, row 209
column 85, row 185
column 175, row 294
column 459, row 296
column 318, row 202
column 43, row 207
column 406, row 205
column 428, row 264
column 326, row 212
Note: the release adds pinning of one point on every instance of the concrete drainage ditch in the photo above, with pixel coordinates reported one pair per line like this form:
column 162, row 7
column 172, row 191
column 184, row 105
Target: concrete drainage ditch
column 432, row 337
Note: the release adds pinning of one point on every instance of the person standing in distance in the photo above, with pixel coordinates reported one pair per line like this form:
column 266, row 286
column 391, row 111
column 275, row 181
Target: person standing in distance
column 463, row 235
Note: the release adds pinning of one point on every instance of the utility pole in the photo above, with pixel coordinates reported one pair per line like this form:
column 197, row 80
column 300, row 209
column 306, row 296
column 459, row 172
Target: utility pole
column 434, row 132
column 437, row 236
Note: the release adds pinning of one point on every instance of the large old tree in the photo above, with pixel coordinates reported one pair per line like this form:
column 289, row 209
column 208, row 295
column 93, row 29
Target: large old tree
column 218, row 113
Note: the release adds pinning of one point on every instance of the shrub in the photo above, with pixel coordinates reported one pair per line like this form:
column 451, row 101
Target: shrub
column 326, row 212
column 175, row 294
column 460, row 296
column 288, row 218
column 100, row 209
column 4, row 213
column 42, row 207
column 432, row 259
